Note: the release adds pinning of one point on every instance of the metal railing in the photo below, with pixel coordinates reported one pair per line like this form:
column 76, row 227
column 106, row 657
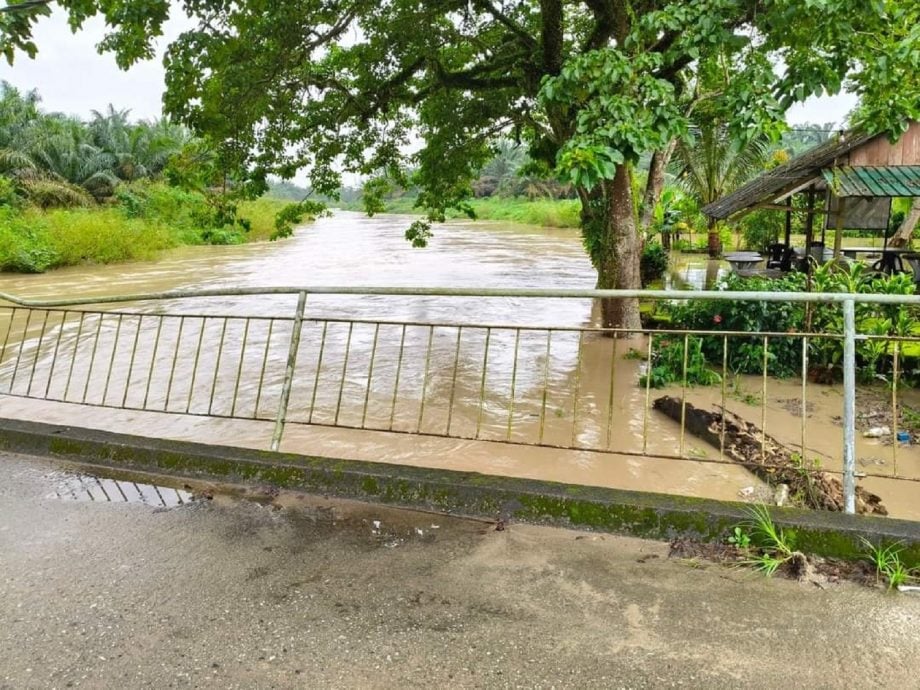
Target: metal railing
column 555, row 386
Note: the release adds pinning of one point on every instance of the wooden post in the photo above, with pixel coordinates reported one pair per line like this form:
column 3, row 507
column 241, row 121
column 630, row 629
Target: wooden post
column 809, row 228
column 838, row 231
column 789, row 221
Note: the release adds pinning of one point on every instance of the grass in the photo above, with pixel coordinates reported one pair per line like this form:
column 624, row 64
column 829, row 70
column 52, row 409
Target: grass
column 558, row 213
column 261, row 214
column 888, row 565
column 34, row 241
column 775, row 546
column 562, row 213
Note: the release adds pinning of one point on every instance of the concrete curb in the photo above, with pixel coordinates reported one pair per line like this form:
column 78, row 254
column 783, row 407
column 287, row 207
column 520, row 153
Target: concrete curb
column 643, row 514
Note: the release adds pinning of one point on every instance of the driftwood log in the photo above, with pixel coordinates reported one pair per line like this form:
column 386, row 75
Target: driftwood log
column 773, row 463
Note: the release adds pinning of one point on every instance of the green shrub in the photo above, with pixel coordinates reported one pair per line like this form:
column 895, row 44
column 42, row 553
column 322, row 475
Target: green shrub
column 8, row 196
column 653, row 263
column 746, row 354
column 667, row 365
column 784, row 354
column 760, row 229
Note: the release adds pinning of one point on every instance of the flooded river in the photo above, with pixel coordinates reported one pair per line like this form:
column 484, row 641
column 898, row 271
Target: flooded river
column 433, row 370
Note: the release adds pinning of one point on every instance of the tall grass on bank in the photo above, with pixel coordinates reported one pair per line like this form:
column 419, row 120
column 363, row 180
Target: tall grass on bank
column 142, row 223
column 559, row 213
column 553, row 213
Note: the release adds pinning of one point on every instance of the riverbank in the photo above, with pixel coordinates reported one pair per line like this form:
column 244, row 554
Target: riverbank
column 33, row 240
column 550, row 213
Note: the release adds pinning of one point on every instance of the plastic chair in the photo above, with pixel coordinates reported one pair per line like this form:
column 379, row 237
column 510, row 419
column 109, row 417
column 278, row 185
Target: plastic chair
column 789, row 256
column 913, row 260
column 889, row 263
column 775, row 254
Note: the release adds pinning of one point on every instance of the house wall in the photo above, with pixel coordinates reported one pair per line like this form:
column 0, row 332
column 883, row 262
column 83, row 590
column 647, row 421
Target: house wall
column 880, row 151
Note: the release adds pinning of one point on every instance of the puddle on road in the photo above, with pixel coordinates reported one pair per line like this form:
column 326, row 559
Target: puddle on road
column 71, row 486
column 374, row 525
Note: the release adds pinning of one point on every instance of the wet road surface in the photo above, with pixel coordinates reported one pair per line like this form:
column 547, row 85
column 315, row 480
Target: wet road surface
column 294, row 591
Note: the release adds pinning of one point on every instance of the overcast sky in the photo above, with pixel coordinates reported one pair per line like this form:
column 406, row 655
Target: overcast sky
column 73, row 78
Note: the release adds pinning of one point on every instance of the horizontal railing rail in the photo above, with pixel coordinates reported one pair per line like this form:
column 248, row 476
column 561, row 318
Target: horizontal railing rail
column 554, row 386
column 542, row 293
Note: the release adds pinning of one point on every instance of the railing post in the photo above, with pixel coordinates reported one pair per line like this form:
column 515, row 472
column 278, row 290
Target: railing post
column 289, row 371
column 849, row 406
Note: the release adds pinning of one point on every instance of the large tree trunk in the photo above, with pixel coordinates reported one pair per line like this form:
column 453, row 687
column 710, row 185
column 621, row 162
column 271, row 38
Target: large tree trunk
column 655, row 184
column 617, row 255
column 715, row 241
column 901, row 237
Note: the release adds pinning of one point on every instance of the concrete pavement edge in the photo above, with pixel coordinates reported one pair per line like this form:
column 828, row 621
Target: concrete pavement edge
column 643, row 514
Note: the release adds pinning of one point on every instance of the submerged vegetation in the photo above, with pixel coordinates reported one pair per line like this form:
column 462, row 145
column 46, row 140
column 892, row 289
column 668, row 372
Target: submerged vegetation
column 109, row 190
column 782, row 356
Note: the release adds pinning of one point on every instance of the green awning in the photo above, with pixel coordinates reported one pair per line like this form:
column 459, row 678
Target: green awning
column 891, row 180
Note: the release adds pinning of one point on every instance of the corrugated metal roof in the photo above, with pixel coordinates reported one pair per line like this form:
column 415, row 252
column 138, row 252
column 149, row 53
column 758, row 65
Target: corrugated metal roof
column 795, row 172
column 902, row 180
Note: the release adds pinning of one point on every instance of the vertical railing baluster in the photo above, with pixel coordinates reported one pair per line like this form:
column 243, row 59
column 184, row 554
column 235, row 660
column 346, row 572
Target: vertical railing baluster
column 804, row 394
column 220, row 354
column 137, row 337
column 453, row 381
column 108, row 375
column 399, row 361
column 191, row 388
column 894, row 407
column 153, row 359
column 421, row 409
column 338, row 403
column 482, row 384
column 577, row 391
column 648, row 393
column 763, row 400
column 289, row 371
column 92, row 357
column 683, row 396
column 724, row 411
column 319, row 367
column 22, row 344
column 610, row 395
column 546, row 361
column 849, row 405
column 175, row 359
column 370, row 375
column 239, row 368
column 514, row 367
column 6, row 337
column 268, row 340
column 54, row 355
column 73, row 356
column 38, row 351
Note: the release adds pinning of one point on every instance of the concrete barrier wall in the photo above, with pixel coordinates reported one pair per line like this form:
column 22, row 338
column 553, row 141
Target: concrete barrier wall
column 644, row 514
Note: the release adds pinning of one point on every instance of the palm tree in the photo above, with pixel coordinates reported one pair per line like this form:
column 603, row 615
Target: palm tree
column 56, row 160
column 713, row 164
column 509, row 157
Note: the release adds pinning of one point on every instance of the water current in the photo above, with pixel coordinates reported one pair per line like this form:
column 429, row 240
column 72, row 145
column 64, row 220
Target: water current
column 434, row 369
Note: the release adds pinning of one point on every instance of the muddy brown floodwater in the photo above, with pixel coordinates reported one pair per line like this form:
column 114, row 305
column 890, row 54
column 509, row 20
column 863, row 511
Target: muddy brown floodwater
column 350, row 372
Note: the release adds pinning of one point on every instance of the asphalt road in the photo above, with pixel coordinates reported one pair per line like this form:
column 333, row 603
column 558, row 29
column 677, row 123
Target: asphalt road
column 293, row 591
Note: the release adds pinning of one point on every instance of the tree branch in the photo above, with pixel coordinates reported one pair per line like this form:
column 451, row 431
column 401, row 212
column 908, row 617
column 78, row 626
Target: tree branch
column 552, row 35
column 508, row 23
column 25, row 5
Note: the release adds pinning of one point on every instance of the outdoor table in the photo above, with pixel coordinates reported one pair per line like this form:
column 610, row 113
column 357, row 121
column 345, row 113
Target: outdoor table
column 743, row 261
column 889, row 262
column 853, row 252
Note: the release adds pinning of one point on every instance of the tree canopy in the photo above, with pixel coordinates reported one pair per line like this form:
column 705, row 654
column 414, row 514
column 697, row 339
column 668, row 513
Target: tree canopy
column 381, row 87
